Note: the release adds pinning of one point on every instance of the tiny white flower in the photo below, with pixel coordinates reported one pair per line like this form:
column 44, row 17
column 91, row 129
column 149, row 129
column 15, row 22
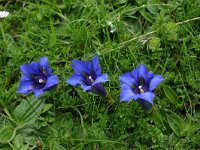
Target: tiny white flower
column 3, row 14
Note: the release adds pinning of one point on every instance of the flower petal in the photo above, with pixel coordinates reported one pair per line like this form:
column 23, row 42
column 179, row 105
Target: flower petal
column 37, row 92
column 135, row 75
column 26, row 69
column 99, row 90
column 155, row 82
column 88, row 65
column 43, row 62
column 100, row 79
column 142, row 71
column 148, row 96
column 145, row 104
column 86, row 87
column 96, row 66
column 127, row 93
column 25, row 78
column 35, row 67
column 149, row 77
column 74, row 80
column 25, row 87
column 51, row 81
column 79, row 67
column 128, row 79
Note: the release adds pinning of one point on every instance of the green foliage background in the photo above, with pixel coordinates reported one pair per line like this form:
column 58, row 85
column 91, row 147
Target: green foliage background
column 162, row 34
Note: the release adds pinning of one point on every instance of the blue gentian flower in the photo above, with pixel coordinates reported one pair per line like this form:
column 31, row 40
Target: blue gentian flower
column 88, row 75
column 37, row 77
column 139, row 85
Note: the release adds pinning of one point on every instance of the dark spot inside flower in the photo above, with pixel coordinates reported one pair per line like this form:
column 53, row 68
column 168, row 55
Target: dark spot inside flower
column 88, row 79
column 135, row 89
column 43, row 70
column 39, row 81
column 141, row 81
column 140, row 89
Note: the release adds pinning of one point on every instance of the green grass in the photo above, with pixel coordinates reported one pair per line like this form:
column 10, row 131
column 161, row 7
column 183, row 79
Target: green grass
column 162, row 34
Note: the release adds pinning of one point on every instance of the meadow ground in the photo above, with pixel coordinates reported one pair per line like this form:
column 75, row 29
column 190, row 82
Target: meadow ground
column 162, row 34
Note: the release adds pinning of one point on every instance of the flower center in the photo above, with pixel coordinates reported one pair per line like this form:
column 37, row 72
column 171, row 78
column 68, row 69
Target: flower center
column 43, row 70
column 41, row 81
column 141, row 89
column 90, row 78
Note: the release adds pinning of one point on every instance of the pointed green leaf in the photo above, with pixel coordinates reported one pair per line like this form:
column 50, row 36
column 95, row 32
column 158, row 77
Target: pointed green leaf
column 152, row 7
column 171, row 95
column 147, row 16
column 46, row 107
column 7, row 133
column 28, row 110
column 18, row 141
column 11, row 93
column 177, row 124
column 194, row 127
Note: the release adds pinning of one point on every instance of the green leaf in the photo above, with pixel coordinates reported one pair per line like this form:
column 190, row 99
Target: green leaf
column 172, row 31
column 56, row 146
column 152, row 7
column 194, row 127
column 147, row 16
column 171, row 95
column 7, row 133
column 7, row 96
column 28, row 110
column 46, row 107
column 18, row 141
column 177, row 124
column 154, row 44
column 11, row 93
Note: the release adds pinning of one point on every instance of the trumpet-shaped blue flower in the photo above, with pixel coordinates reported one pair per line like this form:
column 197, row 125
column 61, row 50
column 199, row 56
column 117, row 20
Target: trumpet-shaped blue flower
column 88, row 75
column 37, row 77
column 139, row 85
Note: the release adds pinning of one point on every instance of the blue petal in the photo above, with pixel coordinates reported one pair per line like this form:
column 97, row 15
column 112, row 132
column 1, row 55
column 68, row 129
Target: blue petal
column 86, row 87
column 149, row 77
column 74, row 80
column 35, row 67
column 96, row 67
column 148, row 96
column 99, row 90
column 79, row 67
column 127, row 93
column 128, row 79
column 26, row 69
column 37, row 92
column 43, row 62
column 100, row 79
column 145, row 104
column 25, row 78
column 25, row 87
column 51, row 81
column 88, row 65
column 155, row 82
column 135, row 75
column 146, row 100
column 142, row 71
